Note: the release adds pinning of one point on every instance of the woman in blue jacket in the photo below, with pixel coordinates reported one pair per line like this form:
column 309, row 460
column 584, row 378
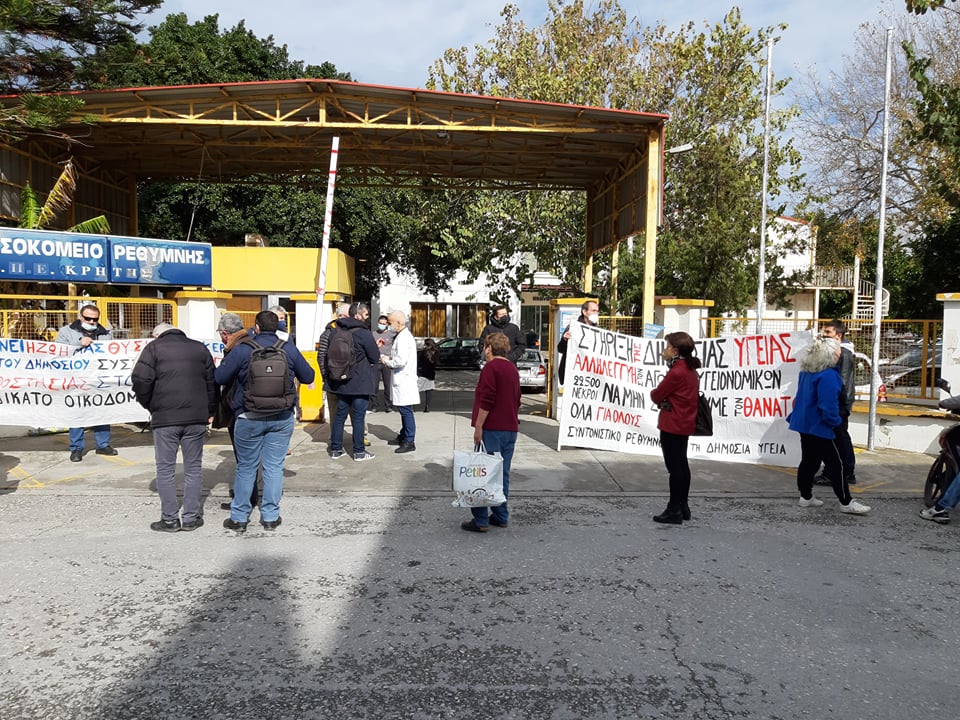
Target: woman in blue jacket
column 816, row 413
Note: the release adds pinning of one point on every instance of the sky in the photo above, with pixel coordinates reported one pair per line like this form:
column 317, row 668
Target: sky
column 393, row 42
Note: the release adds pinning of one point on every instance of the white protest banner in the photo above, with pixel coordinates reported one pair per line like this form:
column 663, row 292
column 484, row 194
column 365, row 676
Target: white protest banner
column 749, row 380
column 44, row 384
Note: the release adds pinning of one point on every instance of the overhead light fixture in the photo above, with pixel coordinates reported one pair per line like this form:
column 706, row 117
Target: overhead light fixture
column 686, row 147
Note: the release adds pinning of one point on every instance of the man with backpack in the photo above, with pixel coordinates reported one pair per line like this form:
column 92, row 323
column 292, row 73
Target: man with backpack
column 262, row 370
column 350, row 356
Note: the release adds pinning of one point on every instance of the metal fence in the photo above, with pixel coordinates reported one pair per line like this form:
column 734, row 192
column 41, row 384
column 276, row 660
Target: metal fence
column 249, row 318
column 911, row 351
column 40, row 317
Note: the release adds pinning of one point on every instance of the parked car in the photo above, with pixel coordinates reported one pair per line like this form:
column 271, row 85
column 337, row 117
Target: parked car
column 861, row 378
column 533, row 370
column 460, row 352
column 903, row 373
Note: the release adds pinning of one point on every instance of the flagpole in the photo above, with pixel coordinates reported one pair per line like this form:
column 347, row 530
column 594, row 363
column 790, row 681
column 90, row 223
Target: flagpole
column 762, row 269
column 878, row 291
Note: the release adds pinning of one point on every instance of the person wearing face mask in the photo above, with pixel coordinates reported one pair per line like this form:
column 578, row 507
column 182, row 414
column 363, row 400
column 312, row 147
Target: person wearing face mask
column 83, row 331
column 677, row 396
column 383, row 334
column 500, row 322
column 589, row 315
column 282, row 331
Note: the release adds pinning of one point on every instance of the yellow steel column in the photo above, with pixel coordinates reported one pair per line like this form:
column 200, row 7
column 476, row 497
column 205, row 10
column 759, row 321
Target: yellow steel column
column 650, row 231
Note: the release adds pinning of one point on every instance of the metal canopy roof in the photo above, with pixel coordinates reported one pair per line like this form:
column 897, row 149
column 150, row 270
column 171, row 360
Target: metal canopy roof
column 387, row 134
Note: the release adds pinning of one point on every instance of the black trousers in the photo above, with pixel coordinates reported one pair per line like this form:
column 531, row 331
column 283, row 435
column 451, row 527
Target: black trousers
column 384, row 375
column 845, row 445
column 813, row 451
column 674, row 449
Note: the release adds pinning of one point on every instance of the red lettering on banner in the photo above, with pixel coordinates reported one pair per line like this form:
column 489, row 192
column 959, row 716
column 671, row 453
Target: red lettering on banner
column 764, row 349
column 615, row 415
column 766, row 406
column 606, row 368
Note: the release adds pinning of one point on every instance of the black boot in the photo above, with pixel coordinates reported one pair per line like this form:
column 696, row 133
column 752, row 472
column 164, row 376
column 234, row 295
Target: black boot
column 685, row 511
column 673, row 515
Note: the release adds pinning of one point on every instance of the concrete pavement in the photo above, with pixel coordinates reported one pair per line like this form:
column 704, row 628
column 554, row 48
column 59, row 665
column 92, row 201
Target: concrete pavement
column 41, row 463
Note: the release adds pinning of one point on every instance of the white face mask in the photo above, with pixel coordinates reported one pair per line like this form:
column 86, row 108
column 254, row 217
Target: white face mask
column 593, row 318
column 381, row 327
column 88, row 326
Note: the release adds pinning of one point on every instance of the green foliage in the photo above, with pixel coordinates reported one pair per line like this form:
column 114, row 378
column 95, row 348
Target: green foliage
column 919, row 7
column 710, row 82
column 42, row 42
column 180, row 53
column 37, row 216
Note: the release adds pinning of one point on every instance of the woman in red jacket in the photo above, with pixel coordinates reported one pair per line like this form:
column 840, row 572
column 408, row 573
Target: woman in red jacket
column 677, row 396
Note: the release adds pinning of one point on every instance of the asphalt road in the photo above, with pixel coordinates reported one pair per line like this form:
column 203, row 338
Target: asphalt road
column 373, row 603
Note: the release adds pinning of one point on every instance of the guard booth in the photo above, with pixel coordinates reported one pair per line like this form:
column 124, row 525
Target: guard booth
column 563, row 311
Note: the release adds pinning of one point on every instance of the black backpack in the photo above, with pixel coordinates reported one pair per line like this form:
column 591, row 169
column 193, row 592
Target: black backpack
column 341, row 355
column 268, row 379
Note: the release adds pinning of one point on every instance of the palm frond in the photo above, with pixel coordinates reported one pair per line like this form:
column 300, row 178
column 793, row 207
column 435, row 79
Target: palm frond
column 60, row 196
column 96, row 226
column 29, row 208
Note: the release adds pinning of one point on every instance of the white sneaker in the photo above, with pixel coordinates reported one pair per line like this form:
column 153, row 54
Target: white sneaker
column 855, row 508
column 812, row 502
column 938, row 516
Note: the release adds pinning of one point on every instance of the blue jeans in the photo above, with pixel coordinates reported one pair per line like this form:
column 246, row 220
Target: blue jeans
column 167, row 442
column 503, row 442
column 356, row 406
column 101, row 433
column 260, row 442
column 408, row 427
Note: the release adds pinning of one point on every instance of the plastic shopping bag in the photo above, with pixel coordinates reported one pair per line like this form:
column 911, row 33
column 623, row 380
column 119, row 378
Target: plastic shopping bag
column 477, row 479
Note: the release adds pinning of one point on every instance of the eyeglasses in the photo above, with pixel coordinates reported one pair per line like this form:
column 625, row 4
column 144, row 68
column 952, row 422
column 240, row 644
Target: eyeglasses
column 90, row 319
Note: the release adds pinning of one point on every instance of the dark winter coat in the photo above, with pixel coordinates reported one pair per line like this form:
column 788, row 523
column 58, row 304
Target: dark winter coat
column 235, row 364
column 517, row 342
column 368, row 355
column 173, row 379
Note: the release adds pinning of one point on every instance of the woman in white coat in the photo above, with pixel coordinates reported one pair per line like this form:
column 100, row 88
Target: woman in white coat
column 404, row 392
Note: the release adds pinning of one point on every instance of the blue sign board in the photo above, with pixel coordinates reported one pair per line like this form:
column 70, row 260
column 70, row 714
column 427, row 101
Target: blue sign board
column 52, row 256
column 139, row 261
column 652, row 330
column 73, row 257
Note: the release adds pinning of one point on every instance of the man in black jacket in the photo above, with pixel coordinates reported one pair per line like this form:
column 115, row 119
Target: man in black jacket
column 173, row 379
column 589, row 315
column 500, row 322
column 353, row 393
column 846, row 366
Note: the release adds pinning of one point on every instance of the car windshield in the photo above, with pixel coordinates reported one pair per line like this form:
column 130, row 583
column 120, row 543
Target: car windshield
column 913, row 356
column 531, row 356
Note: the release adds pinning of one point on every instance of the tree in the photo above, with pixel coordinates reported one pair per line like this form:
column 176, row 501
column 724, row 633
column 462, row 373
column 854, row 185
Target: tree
column 711, row 84
column 921, row 6
column 181, row 53
column 36, row 215
column 842, row 126
column 418, row 231
column 43, row 44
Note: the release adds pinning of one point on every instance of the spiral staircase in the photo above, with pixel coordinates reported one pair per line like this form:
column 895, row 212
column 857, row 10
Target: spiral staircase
column 863, row 291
